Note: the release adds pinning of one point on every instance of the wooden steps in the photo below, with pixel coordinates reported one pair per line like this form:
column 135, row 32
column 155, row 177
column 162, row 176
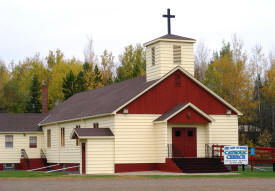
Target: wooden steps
column 200, row 165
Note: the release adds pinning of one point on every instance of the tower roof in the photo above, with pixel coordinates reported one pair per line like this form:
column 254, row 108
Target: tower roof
column 170, row 37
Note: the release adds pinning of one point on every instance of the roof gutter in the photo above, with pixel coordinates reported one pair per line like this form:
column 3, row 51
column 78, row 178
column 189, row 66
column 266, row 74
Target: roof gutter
column 75, row 119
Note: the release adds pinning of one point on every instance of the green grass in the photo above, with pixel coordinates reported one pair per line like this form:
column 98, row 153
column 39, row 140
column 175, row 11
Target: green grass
column 27, row 174
column 239, row 174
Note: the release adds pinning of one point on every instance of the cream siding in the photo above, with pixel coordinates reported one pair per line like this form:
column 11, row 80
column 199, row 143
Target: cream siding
column 70, row 153
column 224, row 130
column 202, row 135
column 20, row 141
column 100, row 156
column 135, row 139
column 164, row 59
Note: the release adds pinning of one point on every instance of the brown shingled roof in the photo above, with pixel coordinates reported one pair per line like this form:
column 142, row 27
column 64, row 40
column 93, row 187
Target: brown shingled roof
column 172, row 37
column 99, row 101
column 92, row 132
column 20, row 122
column 170, row 112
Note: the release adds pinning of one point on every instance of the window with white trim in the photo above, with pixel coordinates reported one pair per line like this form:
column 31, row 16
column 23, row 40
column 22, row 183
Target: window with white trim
column 33, row 141
column 9, row 141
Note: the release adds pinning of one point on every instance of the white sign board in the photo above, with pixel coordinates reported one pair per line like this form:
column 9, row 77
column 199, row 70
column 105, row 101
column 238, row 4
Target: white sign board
column 236, row 155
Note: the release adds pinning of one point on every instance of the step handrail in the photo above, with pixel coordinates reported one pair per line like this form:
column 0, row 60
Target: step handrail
column 62, row 169
column 43, row 167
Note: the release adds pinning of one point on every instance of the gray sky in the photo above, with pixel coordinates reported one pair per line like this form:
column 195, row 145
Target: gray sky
column 30, row 26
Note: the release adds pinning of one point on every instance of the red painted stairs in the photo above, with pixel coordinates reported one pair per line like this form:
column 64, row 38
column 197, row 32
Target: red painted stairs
column 200, row 165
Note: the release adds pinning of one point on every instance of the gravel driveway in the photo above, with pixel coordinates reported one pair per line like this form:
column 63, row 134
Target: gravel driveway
column 137, row 184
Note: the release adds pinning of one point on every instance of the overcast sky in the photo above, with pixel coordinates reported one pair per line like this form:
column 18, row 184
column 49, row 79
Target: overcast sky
column 30, row 26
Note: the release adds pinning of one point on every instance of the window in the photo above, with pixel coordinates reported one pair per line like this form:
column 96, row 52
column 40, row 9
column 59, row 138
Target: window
column 33, row 141
column 77, row 140
column 48, row 138
column 177, row 54
column 62, row 140
column 9, row 141
column 190, row 133
column 153, row 56
column 96, row 125
column 177, row 133
column 8, row 166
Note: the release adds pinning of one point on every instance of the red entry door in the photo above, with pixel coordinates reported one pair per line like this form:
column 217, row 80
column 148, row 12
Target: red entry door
column 83, row 150
column 184, row 142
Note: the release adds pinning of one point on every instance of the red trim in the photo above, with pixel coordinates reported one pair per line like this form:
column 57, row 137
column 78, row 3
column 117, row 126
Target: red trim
column 1, row 166
column 167, row 94
column 168, row 166
column 135, row 167
column 188, row 115
column 83, row 150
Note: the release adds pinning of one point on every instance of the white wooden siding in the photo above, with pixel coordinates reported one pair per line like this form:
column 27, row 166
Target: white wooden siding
column 135, row 139
column 20, row 141
column 100, row 156
column 164, row 59
column 224, row 130
column 70, row 153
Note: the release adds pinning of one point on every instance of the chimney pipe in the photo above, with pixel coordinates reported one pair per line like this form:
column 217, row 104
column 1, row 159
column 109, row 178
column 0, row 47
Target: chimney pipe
column 44, row 97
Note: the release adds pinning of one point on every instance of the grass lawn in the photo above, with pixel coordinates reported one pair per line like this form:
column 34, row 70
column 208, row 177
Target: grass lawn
column 239, row 174
column 27, row 174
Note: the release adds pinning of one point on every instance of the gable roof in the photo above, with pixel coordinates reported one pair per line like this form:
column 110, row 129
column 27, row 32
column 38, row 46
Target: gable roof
column 110, row 99
column 91, row 132
column 179, row 108
column 179, row 68
column 20, row 122
column 100, row 101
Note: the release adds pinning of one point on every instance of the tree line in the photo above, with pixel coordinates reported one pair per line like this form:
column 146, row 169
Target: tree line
column 246, row 79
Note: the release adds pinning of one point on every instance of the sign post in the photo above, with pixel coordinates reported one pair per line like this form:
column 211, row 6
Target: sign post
column 252, row 153
column 236, row 155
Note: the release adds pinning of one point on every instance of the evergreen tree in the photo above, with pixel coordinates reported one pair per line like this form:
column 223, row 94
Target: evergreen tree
column 97, row 81
column 68, row 85
column 34, row 104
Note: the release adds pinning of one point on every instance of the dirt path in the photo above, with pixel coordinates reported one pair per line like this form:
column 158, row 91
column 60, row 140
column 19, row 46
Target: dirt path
column 138, row 184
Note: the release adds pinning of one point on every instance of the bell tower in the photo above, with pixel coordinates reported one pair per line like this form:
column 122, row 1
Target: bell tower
column 166, row 52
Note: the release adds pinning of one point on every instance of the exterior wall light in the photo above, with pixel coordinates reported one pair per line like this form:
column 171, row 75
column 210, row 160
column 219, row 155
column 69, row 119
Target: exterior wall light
column 228, row 112
column 125, row 111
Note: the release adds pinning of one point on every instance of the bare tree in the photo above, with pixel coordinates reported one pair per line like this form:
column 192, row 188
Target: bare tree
column 238, row 54
column 89, row 54
column 201, row 60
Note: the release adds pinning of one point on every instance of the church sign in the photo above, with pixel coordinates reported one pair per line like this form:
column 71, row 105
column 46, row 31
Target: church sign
column 236, row 155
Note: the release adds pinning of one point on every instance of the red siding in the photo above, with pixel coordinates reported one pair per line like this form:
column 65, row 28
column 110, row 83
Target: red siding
column 168, row 166
column 1, row 166
column 167, row 94
column 189, row 115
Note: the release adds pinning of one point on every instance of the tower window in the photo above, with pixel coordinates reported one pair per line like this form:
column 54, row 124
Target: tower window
column 177, row 54
column 62, row 140
column 153, row 56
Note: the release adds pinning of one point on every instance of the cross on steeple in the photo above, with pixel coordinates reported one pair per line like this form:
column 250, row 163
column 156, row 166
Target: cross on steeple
column 168, row 20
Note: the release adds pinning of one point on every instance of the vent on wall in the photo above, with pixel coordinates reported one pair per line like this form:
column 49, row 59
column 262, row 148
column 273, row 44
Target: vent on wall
column 153, row 56
column 177, row 80
column 177, row 54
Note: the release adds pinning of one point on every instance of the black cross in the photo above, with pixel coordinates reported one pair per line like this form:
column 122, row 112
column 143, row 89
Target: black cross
column 168, row 20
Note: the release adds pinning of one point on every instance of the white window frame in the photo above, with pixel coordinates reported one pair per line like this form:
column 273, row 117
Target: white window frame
column 6, row 141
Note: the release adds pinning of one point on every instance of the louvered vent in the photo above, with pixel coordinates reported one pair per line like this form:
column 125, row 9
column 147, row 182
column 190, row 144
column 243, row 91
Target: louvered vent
column 177, row 54
column 177, row 80
column 153, row 56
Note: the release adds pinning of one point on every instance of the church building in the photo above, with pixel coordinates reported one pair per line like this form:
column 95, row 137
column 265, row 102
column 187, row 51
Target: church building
column 159, row 121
